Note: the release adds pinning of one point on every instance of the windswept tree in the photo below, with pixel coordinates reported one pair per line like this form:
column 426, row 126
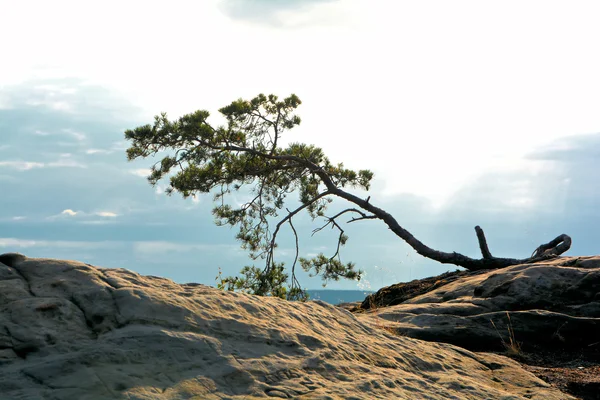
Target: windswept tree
column 245, row 152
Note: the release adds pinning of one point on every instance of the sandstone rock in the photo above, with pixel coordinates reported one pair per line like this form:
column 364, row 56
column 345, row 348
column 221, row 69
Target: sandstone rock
column 69, row 330
column 552, row 304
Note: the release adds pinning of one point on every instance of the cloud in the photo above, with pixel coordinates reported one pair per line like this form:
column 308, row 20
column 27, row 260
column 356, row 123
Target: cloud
column 78, row 136
column 266, row 11
column 69, row 212
column 66, row 161
column 142, row 172
column 106, row 214
column 29, row 243
column 68, row 97
column 21, row 165
column 97, row 222
column 573, row 150
column 97, row 151
column 29, row 165
column 115, row 147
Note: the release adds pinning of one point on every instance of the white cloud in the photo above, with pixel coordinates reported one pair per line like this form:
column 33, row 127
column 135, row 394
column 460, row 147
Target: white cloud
column 97, row 151
column 96, row 222
column 55, row 105
column 29, row 243
column 21, row 165
column 142, row 172
column 68, row 213
column 41, row 133
column 81, row 214
column 10, row 242
column 106, row 214
column 66, row 162
column 18, row 218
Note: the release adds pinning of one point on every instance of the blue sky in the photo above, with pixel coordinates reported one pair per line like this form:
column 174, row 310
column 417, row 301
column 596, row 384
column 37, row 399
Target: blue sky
column 468, row 113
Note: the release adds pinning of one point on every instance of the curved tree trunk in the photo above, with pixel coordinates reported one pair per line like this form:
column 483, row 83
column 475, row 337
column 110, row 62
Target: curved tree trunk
column 545, row 251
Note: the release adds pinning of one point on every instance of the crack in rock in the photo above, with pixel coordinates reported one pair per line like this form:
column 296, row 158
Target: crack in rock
column 88, row 321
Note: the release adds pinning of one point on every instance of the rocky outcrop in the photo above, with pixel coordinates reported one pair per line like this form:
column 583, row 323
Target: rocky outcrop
column 69, row 330
column 553, row 305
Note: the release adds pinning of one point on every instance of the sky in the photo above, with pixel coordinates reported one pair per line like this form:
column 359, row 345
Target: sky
column 469, row 113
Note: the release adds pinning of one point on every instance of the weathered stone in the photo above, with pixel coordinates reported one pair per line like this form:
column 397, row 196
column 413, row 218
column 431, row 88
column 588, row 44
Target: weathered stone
column 73, row 331
column 552, row 304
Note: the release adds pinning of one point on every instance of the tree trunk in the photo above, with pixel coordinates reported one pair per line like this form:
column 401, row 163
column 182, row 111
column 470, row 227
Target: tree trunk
column 545, row 251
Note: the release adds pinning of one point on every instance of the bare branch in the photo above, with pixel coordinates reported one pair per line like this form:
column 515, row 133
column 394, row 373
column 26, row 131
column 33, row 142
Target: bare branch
column 272, row 245
column 485, row 252
column 295, row 282
column 556, row 247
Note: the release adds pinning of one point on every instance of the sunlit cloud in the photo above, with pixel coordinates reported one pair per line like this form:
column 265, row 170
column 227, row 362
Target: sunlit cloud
column 69, row 212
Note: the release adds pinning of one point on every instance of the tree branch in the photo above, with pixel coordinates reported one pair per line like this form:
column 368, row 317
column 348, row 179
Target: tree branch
column 485, row 252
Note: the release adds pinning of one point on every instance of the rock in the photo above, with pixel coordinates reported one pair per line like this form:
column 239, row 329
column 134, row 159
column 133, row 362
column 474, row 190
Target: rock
column 69, row 330
column 551, row 305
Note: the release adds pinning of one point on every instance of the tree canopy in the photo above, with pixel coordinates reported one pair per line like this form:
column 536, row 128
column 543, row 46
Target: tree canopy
column 245, row 152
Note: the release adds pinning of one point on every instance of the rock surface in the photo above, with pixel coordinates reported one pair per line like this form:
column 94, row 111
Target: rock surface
column 548, row 305
column 69, row 330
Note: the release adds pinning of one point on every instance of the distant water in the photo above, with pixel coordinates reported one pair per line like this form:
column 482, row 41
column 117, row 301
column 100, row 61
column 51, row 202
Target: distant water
column 338, row 296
